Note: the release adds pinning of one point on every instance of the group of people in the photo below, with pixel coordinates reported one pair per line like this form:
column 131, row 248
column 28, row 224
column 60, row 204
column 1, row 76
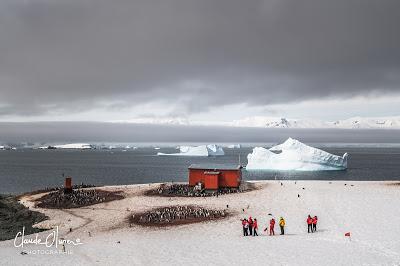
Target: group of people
column 312, row 224
column 282, row 225
column 250, row 226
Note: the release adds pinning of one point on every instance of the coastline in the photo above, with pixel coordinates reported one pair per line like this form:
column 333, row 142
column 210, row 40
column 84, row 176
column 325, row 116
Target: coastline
column 14, row 215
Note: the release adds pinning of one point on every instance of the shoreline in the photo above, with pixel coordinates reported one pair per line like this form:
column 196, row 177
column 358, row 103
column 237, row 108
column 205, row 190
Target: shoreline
column 14, row 215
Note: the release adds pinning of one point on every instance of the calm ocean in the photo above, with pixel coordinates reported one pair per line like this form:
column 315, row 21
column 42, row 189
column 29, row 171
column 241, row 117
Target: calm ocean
column 26, row 170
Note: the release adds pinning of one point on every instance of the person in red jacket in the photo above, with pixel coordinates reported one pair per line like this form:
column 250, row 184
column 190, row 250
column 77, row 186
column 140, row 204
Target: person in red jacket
column 250, row 221
column 309, row 224
column 314, row 223
column 271, row 227
column 255, row 227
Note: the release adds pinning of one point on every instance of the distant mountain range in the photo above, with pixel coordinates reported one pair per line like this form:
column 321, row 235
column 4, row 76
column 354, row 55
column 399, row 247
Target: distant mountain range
column 277, row 122
column 354, row 122
column 156, row 121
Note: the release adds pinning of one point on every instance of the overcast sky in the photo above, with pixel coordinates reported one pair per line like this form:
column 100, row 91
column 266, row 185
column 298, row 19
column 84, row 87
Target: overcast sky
column 208, row 60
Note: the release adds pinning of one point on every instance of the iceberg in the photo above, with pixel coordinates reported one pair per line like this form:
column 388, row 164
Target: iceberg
column 294, row 155
column 130, row 147
column 203, row 150
column 234, row 146
column 80, row 146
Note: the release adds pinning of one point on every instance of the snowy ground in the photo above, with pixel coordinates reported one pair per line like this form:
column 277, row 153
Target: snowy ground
column 369, row 210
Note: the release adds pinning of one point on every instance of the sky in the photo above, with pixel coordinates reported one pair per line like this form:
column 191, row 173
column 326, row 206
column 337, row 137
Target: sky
column 190, row 60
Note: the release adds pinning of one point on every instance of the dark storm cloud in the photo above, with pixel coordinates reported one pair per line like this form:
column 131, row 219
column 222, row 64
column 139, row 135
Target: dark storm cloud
column 193, row 54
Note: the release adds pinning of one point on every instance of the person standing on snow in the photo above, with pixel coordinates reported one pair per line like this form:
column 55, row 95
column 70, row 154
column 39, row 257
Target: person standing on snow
column 271, row 227
column 309, row 224
column 255, row 227
column 245, row 226
column 314, row 223
column 282, row 225
column 250, row 221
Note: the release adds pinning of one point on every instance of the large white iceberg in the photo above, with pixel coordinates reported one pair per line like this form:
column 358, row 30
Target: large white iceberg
column 294, row 155
column 203, row 150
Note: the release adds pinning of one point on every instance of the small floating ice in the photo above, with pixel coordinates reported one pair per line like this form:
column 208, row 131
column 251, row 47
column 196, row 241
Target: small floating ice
column 294, row 155
column 234, row 146
column 203, row 150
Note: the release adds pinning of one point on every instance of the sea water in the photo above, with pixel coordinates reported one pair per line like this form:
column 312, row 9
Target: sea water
column 25, row 170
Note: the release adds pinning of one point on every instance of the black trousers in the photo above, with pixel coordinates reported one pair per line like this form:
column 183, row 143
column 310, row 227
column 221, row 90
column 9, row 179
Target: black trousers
column 245, row 232
column 314, row 227
column 255, row 232
column 309, row 228
column 282, row 230
column 250, row 229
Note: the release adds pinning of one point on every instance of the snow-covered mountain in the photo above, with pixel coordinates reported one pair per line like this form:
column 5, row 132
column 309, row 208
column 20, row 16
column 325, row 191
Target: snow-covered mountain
column 275, row 122
column 392, row 122
column 365, row 122
column 355, row 122
column 155, row 121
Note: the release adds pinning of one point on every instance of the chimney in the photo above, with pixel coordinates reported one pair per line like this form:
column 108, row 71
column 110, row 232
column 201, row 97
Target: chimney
column 68, row 185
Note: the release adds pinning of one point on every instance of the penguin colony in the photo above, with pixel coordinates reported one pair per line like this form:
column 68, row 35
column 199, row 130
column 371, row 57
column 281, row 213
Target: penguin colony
column 177, row 215
column 184, row 190
column 77, row 198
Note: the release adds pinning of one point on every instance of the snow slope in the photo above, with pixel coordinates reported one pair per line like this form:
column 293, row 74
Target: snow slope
column 341, row 208
column 294, row 155
column 203, row 150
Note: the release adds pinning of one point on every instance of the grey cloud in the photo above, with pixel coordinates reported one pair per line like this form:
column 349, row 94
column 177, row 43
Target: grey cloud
column 58, row 54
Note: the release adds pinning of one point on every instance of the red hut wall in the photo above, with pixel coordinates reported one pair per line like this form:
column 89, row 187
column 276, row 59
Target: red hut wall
column 196, row 176
column 226, row 178
column 230, row 178
column 211, row 180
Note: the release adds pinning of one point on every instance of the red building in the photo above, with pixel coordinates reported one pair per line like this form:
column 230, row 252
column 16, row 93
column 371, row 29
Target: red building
column 215, row 176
